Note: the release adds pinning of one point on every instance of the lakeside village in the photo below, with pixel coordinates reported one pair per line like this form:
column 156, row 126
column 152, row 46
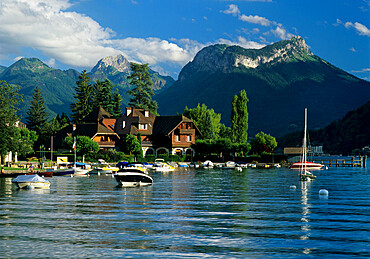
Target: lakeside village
column 100, row 133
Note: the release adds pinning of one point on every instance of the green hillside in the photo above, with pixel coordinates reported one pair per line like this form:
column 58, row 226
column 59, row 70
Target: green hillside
column 280, row 80
column 339, row 137
column 56, row 86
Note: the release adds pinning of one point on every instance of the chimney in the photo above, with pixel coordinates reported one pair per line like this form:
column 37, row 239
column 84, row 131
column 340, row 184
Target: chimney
column 128, row 111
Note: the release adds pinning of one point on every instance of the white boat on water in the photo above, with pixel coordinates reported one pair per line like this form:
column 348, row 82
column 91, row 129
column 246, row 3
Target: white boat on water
column 161, row 166
column 132, row 177
column 103, row 167
column 164, row 167
column 31, row 181
column 208, row 164
column 303, row 165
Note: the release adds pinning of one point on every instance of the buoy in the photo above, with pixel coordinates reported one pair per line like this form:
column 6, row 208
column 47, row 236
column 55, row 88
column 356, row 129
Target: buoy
column 292, row 187
column 323, row 192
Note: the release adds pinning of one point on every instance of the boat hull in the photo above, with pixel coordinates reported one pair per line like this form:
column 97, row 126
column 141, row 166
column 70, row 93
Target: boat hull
column 36, row 185
column 34, row 181
column 306, row 165
column 63, row 172
column 132, row 178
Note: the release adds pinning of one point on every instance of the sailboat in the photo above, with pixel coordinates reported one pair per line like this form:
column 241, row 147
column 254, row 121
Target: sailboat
column 304, row 166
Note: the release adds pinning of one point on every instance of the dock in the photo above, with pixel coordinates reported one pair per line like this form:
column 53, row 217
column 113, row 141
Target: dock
column 353, row 162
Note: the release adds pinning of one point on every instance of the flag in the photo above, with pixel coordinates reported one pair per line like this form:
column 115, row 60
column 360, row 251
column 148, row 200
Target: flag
column 74, row 145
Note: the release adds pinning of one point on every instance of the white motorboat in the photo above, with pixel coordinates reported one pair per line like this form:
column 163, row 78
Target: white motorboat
column 208, row 164
column 132, row 177
column 31, row 181
column 164, row 167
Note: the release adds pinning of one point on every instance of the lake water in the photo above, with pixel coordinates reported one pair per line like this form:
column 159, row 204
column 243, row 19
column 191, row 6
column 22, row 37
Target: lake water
column 191, row 214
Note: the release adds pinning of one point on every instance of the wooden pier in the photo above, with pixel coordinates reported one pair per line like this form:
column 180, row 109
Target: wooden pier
column 360, row 162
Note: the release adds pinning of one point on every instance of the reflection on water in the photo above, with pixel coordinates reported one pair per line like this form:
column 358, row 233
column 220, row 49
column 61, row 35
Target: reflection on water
column 190, row 213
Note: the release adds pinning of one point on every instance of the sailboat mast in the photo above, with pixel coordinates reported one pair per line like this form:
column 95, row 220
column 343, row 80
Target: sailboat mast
column 305, row 140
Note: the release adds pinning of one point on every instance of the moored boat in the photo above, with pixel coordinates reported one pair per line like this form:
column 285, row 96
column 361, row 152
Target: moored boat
column 304, row 165
column 132, row 177
column 31, row 181
column 307, row 165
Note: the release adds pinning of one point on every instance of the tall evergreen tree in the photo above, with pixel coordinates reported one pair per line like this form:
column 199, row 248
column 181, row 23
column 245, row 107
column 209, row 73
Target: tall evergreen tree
column 84, row 97
column 103, row 95
column 64, row 120
column 117, row 104
column 208, row 127
column 239, row 118
column 142, row 92
column 36, row 114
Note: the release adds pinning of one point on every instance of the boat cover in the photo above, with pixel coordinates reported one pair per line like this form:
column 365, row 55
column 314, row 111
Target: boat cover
column 29, row 178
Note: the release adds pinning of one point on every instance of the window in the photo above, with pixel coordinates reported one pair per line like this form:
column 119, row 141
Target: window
column 177, row 138
column 123, row 124
column 188, row 138
column 146, row 113
column 143, row 126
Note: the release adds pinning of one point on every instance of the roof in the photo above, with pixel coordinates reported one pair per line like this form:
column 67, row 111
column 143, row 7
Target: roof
column 164, row 125
column 97, row 114
column 136, row 117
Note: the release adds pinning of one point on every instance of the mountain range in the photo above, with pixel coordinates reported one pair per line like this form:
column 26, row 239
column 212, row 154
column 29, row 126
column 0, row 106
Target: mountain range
column 280, row 80
column 57, row 86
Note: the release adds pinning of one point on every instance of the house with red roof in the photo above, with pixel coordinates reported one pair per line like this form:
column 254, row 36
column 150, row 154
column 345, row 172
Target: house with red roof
column 159, row 134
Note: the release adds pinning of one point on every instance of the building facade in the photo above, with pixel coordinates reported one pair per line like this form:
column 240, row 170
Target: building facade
column 159, row 134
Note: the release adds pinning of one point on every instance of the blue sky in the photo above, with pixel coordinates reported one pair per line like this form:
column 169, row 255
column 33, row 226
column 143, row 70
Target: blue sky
column 168, row 33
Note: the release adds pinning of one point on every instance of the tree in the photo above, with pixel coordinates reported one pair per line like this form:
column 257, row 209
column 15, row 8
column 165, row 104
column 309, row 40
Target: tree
column 132, row 145
column 117, row 101
column 207, row 121
column 24, row 141
column 9, row 103
column 239, row 118
column 36, row 114
column 84, row 145
column 263, row 143
column 64, row 120
column 142, row 92
column 103, row 95
column 84, row 97
column 208, row 127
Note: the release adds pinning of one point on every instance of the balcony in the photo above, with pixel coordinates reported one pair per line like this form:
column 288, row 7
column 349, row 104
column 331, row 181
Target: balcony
column 107, row 143
column 187, row 131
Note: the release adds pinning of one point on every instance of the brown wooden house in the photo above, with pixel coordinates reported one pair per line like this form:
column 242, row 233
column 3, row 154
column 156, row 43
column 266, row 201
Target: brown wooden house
column 159, row 134
column 98, row 125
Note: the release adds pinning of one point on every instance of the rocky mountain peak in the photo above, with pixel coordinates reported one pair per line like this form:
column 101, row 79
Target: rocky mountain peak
column 118, row 62
column 225, row 58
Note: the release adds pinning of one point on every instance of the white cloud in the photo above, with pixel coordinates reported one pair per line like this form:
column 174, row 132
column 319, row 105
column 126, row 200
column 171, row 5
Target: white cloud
column 282, row 33
column 152, row 50
column 50, row 62
column 242, row 42
column 360, row 28
column 255, row 19
column 70, row 37
column 233, row 10
column 364, row 70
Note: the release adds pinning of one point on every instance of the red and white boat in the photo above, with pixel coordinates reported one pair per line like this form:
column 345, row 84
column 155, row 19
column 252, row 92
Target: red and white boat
column 304, row 166
column 308, row 165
